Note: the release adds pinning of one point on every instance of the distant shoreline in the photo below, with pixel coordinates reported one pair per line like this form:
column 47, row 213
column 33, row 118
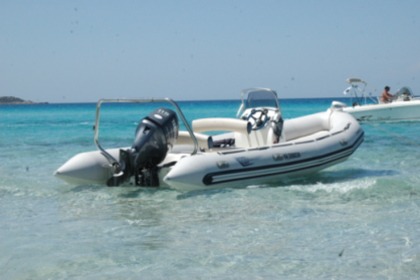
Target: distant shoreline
column 16, row 100
column 11, row 100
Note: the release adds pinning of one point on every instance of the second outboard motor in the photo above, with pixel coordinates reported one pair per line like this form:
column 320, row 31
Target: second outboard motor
column 155, row 134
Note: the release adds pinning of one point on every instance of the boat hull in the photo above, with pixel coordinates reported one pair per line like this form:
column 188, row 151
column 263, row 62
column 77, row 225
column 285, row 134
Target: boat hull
column 263, row 165
column 396, row 111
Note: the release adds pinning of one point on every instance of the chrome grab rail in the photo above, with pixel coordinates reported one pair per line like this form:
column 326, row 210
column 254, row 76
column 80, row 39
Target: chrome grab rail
column 115, row 163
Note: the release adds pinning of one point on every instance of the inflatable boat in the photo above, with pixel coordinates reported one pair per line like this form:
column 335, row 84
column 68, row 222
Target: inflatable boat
column 256, row 147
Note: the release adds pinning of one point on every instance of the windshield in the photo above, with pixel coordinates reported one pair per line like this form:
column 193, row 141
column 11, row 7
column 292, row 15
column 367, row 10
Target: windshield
column 260, row 98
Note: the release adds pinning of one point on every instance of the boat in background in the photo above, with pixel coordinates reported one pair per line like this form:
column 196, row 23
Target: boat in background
column 404, row 106
column 257, row 147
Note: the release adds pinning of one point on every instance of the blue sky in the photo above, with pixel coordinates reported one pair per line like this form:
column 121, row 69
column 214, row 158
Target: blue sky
column 80, row 51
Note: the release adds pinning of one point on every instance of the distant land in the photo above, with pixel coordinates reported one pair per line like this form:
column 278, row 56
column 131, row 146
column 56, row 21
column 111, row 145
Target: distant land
column 14, row 100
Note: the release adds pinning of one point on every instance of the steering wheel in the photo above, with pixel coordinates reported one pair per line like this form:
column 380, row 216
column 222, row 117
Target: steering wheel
column 258, row 118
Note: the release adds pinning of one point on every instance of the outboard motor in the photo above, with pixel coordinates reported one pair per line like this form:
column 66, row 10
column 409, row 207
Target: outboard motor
column 155, row 134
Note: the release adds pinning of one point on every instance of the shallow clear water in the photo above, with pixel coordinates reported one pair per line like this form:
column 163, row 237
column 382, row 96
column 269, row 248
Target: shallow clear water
column 359, row 219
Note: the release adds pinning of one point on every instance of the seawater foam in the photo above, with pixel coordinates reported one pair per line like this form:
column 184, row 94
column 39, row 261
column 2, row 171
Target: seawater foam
column 341, row 187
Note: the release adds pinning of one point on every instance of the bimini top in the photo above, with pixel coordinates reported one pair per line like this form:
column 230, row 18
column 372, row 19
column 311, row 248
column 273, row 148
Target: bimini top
column 258, row 97
column 355, row 80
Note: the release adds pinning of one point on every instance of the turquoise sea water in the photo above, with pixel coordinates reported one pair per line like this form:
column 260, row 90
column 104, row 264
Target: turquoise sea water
column 356, row 220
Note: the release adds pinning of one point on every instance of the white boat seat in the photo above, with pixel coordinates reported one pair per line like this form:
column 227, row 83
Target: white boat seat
column 221, row 124
column 205, row 142
column 241, row 128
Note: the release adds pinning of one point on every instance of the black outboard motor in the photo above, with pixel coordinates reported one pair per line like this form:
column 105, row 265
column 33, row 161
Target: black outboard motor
column 155, row 134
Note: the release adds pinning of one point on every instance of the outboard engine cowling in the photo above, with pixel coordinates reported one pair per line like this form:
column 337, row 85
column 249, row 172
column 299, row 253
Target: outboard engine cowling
column 155, row 134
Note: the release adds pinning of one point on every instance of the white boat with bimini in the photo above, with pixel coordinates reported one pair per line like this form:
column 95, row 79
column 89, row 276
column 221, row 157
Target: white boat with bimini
column 257, row 147
column 403, row 106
